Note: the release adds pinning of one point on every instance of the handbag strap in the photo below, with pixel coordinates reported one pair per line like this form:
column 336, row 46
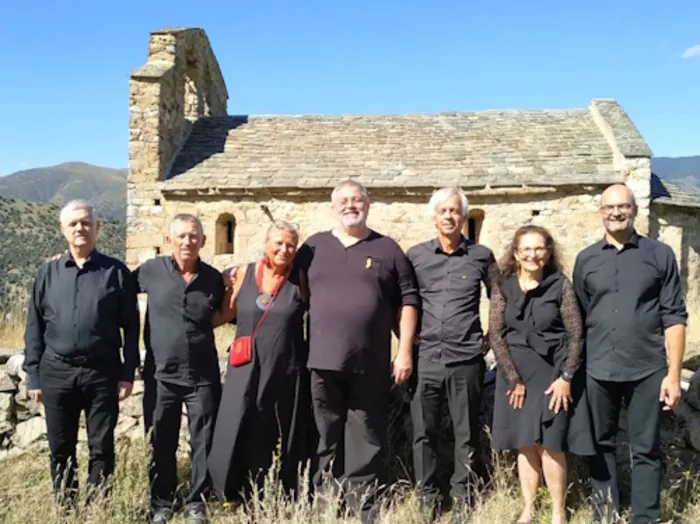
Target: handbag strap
column 273, row 295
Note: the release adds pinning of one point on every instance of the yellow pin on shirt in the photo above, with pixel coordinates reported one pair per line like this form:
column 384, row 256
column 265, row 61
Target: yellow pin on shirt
column 368, row 264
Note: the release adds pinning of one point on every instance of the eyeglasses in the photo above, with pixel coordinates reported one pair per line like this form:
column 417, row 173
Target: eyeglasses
column 528, row 251
column 609, row 208
column 344, row 202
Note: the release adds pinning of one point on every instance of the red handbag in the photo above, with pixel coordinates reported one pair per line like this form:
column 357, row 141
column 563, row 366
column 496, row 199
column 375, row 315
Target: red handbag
column 241, row 351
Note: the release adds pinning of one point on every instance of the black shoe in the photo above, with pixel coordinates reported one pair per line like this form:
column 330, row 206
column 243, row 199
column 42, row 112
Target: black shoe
column 161, row 516
column 195, row 515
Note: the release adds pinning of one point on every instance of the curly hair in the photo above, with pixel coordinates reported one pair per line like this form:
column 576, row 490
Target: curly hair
column 508, row 263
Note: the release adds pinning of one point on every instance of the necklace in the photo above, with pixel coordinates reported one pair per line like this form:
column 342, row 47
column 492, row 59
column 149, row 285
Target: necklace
column 264, row 299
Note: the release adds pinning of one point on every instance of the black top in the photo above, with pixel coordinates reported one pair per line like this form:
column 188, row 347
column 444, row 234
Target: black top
column 79, row 312
column 545, row 320
column 279, row 345
column 178, row 329
column 450, row 290
column 628, row 298
column 356, row 294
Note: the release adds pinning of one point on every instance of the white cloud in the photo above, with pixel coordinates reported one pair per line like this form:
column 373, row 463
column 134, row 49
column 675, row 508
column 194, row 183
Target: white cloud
column 22, row 164
column 692, row 52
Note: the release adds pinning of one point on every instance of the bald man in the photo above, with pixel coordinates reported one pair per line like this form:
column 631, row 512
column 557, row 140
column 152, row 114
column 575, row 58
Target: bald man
column 635, row 317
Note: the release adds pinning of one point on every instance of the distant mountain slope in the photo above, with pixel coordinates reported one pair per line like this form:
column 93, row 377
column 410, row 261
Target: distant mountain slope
column 104, row 187
column 684, row 171
column 31, row 235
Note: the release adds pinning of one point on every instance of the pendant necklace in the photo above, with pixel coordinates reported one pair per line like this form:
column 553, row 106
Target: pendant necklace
column 264, row 299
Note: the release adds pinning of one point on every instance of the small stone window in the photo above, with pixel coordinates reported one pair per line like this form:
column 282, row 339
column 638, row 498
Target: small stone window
column 472, row 229
column 157, row 250
column 156, row 202
column 225, row 234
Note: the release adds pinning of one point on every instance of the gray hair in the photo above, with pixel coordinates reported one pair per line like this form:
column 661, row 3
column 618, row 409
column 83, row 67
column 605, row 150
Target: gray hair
column 78, row 204
column 281, row 225
column 350, row 183
column 186, row 217
column 442, row 195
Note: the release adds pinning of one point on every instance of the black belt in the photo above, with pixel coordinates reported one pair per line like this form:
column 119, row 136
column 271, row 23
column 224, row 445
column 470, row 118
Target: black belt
column 79, row 360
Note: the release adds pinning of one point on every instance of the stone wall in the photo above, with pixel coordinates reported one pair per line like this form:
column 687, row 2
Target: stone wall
column 571, row 216
column 22, row 422
column 679, row 228
column 180, row 82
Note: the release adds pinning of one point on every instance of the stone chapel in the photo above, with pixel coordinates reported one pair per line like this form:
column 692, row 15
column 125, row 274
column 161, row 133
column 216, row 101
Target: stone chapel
column 237, row 172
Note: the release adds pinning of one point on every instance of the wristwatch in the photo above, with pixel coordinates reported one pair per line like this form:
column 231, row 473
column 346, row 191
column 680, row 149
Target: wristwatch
column 566, row 376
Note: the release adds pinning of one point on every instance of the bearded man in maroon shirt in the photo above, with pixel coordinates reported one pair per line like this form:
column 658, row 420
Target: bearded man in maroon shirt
column 361, row 286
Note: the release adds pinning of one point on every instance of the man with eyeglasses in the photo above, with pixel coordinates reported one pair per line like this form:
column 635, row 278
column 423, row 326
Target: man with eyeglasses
column 362, row 286
column 630, row 294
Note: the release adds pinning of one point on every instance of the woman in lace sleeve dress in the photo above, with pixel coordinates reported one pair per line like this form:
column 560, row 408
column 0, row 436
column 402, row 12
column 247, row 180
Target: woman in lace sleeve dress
column 535, row 330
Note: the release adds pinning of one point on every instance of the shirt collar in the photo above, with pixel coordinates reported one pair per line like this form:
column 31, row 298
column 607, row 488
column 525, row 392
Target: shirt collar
column 632, row 241
column 68, row 261
column 463, row 245
column 173, row 264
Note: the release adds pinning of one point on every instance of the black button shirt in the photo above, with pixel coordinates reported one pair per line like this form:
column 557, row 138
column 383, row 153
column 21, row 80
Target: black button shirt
column 449, row 285
column 178, row 332
column 356, row 293
column 628, row 298
column 78, row 312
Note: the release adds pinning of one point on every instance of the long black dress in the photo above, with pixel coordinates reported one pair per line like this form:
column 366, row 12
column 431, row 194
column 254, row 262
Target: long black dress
column 266, row 403
column 535, row 335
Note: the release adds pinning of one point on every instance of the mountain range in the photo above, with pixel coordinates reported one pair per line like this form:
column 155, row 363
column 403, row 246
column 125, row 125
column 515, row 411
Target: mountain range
column 103, row 186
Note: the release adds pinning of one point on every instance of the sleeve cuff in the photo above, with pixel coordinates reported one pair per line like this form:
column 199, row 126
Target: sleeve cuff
column 410, row 300
column 32, row 382
column 128, row 375
column 673, row 320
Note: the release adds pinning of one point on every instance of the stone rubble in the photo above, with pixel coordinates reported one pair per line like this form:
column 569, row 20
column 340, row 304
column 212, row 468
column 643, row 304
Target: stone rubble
column 23, row 426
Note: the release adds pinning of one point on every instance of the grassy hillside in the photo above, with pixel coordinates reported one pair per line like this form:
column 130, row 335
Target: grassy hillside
column 32, row 234
column 104, row 187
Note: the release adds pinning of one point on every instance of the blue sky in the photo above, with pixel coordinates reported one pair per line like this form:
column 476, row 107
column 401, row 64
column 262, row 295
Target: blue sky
column 66, row 65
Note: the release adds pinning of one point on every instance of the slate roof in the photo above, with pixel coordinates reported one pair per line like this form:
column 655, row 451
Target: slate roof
column 470, row 149
column 664, row 192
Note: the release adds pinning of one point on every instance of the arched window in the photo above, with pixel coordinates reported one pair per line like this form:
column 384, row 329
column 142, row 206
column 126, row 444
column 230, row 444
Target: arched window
column 472, row 229
column 225, row 234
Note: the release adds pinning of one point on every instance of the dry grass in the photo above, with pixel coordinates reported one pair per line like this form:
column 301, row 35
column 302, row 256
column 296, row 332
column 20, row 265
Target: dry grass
column 25, row 488
column 12, row 320
column 25, row 498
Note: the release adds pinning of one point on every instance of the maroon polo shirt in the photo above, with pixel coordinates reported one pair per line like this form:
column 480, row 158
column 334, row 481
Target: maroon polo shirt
column 356, row 294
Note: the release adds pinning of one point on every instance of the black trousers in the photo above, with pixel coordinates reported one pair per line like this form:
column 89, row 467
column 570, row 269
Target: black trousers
column 66, row 391
column 461, row 385
column 202, row 403
column 149, row 391
column 641, row 398
column 352, row 414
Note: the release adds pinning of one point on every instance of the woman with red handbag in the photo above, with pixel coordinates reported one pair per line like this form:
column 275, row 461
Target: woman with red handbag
column 265, row 400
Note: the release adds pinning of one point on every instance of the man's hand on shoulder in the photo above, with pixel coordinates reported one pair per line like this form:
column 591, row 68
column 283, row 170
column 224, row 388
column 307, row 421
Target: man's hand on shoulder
column 230, row 274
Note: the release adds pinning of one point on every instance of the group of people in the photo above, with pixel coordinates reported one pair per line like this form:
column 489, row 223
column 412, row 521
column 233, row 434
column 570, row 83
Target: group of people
column 310, row 369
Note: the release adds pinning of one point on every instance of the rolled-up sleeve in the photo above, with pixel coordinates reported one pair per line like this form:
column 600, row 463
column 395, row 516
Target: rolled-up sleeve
column 406, row 280
column 671, row 301
column 130, row 322
column 34, row 345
